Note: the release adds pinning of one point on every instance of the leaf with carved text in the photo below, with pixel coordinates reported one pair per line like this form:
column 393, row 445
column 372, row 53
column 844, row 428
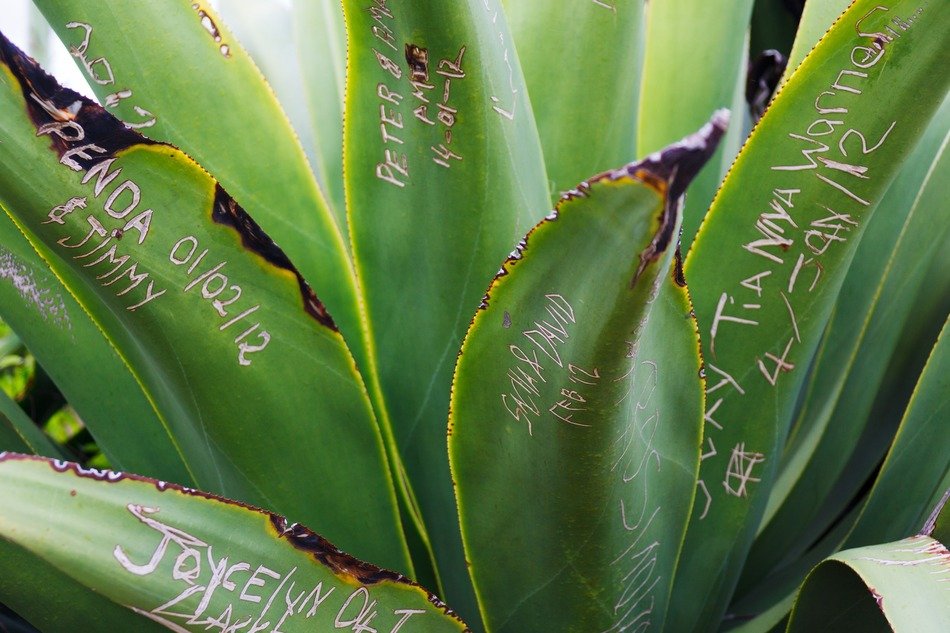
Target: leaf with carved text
column 771, row 255
column 201, row 304
column 577, row 407
column 895, row 586
column 189, row 561
column 186, row 80
column 443, row 173
column 583, row 130
column 876, row 302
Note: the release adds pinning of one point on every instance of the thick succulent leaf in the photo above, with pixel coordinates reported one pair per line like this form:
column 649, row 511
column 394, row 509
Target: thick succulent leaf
column 817, row 18
column 576, row 415
column 769, row 603
column 917, row 468
column 876, row 300
column 263, row 30
column 176, row 73
column 768, row 262
column 82, row 362
column 321, row 47
column 680, row 88
column 583, row 131
column 204, row 308
column 899, row 586
column 191, row 561
column 443, row 174
column 19, row 432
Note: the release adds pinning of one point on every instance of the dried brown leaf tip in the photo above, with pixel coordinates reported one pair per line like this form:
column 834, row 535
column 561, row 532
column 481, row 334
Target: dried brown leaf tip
column 670, row 171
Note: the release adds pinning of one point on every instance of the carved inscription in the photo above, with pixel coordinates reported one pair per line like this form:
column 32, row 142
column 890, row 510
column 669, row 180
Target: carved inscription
column 108, row 243
column 99, row 70
column 534, row 359
column 546, row 382
column 792, row 238
column 417, row 85
column 220, row 593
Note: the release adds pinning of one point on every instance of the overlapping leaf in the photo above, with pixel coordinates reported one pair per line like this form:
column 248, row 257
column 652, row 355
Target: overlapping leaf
column 577, row 408
column 443, row 174
column 917, row 468
column 584, row 128
column 896, row 586
column 82, row 363
column 876, row 301
column 204, row 308
column 768, row 262
column 693, row 63
column 154, row 556
column 180, row 76
column 321, row 44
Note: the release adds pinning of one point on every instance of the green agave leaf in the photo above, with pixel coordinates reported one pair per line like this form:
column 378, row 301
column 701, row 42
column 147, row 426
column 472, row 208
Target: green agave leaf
column 817, row 18
column 204, row 308
column 680, row 87
column 263, row 29
column 876, row 300
column 766, row 606
column 768, row 262
column 302, row 45
column 896, row 586
column 18, row 431
column 82, row 362
column 321, row 44
column 917, row 468
column 443, row 174
column 577, row 408
column 583, row 131
column 190, row 561
column 182, row 77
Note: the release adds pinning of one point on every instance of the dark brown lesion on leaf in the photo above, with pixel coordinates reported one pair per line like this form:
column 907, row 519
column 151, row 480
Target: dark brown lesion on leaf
column 225, row 210
column 678, row 277
column 342, row 564
column 418, row 60
column 49, row 103
column 668, row 172
column 338, row 561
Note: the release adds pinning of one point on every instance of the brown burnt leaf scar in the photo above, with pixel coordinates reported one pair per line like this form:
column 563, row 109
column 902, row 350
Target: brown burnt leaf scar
column 668, row 171
column 79, row 120
column 225, row 210
column 297, row 535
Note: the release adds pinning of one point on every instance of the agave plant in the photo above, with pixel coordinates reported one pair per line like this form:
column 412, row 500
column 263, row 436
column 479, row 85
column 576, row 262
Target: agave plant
column 625, row 413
